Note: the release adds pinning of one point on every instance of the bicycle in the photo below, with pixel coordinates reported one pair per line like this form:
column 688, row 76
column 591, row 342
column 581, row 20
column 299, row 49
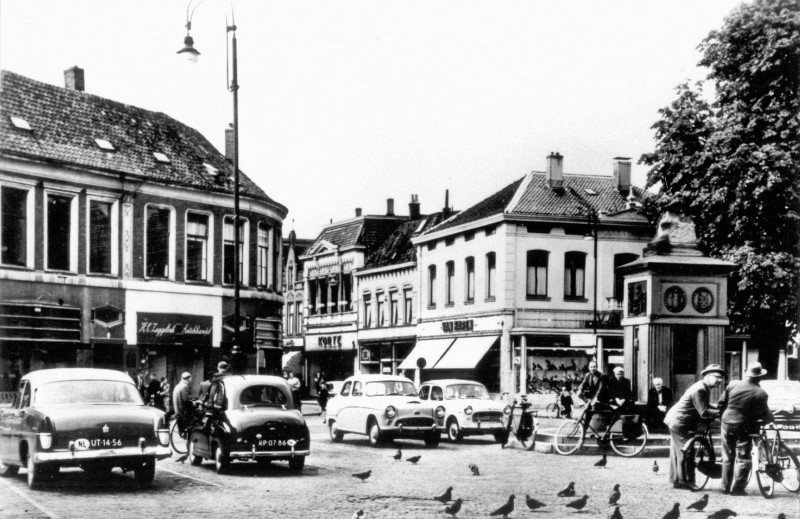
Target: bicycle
column 775, row 463
column 699, row 459
column 179, row 441
column 627, row 441
column 522, row 426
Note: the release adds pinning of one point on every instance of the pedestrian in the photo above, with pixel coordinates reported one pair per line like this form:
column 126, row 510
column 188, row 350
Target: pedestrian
column 153, row 388
column 565, row 400
column 322, row 393
column 165, row 395
column 590, row 388
column 744, row 405
column 141, row 384
column 294, row 384
column 620, row 393
column 659, row 399
column 182, row 401
column 684, row 417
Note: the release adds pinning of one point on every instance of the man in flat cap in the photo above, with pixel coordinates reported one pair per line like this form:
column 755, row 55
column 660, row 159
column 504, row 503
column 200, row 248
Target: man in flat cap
column 744, row 404
column 684, row 417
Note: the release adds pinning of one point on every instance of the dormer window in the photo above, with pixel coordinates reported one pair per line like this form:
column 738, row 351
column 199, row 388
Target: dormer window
column 211, row 170
column 160, row 157
column 104, row 145
column 590, row 191
column 20, row 123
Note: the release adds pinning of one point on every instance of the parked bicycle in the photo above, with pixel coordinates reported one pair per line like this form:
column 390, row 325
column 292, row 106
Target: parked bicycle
column 774, row 463
column 625, row 433
column 699, row 457
column 521, row 425
column 179, row 440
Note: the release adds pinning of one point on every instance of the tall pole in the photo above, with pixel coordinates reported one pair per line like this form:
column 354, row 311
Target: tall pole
column 594, row 291
column 234, row 88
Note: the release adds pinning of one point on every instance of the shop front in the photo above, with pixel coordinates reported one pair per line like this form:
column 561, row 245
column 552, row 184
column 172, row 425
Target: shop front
column 332, row 353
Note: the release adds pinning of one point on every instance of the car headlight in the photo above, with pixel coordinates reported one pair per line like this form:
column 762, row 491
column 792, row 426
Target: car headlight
column 440, row 411
column 507, row 410
column 45, row 440
column 468, row 410
column 391, row 411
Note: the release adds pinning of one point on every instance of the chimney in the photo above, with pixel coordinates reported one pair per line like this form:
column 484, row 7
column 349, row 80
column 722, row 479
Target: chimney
column 390, row 207
column 622, row 174
column 446, row 208
column 413, row 208
column 229, row 142
column 358, row 212
column 73, row 79
column 554, row 175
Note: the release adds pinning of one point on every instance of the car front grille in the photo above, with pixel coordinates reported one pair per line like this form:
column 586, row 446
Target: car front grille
column 488, row 416
column 415, row 422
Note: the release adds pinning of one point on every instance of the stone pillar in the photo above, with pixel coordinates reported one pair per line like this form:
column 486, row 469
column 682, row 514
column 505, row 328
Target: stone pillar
column 127, row 238
column 506, row 366
column 523, row 363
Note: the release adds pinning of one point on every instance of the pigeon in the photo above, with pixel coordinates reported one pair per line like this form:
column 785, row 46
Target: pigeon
column 413, row 459
column 616, row 515
column 601, row 463
column 578, row 504
column 780, row 516
column 398, row 455
column 615, row 495
column 506, row 508
column 474, row 469
column 725, row 513
column 655, row 467
column 454, row 508
column 359, row 515
column 447, row 496
column 568, row 491
column 532, row 503
column 700, row 504
column 181, row 458
column 363, row 475
column 675, row 513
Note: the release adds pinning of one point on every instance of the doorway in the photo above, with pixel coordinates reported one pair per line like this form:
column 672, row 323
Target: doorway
column 688, row 349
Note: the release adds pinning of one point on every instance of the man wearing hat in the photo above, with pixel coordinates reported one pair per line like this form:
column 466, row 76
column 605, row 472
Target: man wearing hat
column 685, row 416
column 182, row 400
column 744, row 404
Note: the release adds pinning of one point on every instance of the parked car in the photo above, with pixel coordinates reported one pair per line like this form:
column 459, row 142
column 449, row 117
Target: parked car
column 334, row 386
column 251, row 417
column 784, row 402
column 469, row 410
column 91, row 418
column 383, row 407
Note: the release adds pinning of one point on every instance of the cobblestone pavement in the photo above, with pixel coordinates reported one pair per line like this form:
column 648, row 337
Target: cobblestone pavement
column 395, row 489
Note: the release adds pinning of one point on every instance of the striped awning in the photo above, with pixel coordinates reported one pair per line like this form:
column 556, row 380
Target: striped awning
column 293, row 361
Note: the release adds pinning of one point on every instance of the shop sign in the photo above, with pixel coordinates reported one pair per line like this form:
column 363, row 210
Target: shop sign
column 466, row 325
column 582, row 340
column 174, row 329
column 330, row 342
column 333, row 342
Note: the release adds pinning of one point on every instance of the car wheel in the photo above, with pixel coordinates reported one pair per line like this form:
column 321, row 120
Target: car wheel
column 375, row 436
column 432, row 438
column 221, row 460
column 297, row 463
column 37, row 473
column 145, row 472
column 194, row 458
column 333, row 429
column 8, row 471
column 454, row 431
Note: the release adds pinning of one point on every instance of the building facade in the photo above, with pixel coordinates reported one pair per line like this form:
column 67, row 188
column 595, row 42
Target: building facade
column 117, row 240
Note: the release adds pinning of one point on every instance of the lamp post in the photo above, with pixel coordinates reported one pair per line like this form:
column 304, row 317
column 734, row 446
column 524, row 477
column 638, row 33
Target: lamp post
column 593, row 221
column 192, row 54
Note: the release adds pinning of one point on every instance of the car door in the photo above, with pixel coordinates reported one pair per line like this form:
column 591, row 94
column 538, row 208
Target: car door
column 14, row 420
column 342, row 406
column 355, row 412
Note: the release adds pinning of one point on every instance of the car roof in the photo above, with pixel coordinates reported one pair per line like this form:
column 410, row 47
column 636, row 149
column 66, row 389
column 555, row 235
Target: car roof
column 45, row 376
column 378, row 377
column 448, row 381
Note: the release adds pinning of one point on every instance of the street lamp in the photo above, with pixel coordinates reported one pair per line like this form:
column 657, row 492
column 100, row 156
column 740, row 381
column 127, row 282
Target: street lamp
column 192, row 54
column 593, row 221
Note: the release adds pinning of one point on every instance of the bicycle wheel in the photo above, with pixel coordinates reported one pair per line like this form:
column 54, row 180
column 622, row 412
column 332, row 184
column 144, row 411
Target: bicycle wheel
column 526, row 432
column 552, row 411
column 698, row 463
column 630, row 445
column 790, row 468
column 766, row 485
column 569, row 437
column 178, row 440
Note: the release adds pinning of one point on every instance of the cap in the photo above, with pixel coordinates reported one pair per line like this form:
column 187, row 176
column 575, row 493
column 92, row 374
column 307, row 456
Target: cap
column 754, row 369
column 619, row 369
column 186, row 375
column 223, row 365
column 713, row 368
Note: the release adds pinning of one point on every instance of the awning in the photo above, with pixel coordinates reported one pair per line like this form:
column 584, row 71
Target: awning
column 293, row 361
column 430, row 350
column 466, row 352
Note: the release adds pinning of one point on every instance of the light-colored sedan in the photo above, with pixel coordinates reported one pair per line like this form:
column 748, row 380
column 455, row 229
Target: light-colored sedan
column 469, row 410
column 383, row 407
column 784, row 402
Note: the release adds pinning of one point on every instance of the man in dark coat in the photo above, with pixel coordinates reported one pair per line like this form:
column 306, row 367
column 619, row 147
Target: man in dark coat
column 659, row 399
column 153, row 390
column 620, row 392
column 685, row 416
column 591, row 383
column 744, row 404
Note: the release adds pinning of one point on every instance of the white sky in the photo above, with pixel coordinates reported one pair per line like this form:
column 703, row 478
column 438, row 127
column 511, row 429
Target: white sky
column 343, row 104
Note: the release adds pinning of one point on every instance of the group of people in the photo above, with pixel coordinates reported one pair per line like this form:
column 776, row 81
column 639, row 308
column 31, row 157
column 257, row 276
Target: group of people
column 154, row 392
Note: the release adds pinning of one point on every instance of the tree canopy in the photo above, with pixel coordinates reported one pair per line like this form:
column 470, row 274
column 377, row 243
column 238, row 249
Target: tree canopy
column 732, row 163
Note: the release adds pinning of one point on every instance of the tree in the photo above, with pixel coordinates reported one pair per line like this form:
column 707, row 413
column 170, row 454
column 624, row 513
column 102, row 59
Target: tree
column 732, row 165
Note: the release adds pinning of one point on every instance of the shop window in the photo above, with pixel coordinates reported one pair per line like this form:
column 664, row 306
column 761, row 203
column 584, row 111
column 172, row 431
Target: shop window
column 432, row 286
column 15, row 226
column 197, row 247
column 228, row 251
column 574, row 273
column 394, row 310
column 263, row 255
column 60, row 235
column 537, row 274
column 101, row 219
column 491, row 273
column 469, row 267
column 379, row 298
column 619, row 279
column 158, row 241
column 367, row 311
column 451, row 274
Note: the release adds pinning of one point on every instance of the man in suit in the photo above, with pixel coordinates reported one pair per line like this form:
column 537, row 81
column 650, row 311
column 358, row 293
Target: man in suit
column 619, row 393
column 182, row 400
column 591, row 383
column 686, row 415
column 744, row 404
column 659, row 399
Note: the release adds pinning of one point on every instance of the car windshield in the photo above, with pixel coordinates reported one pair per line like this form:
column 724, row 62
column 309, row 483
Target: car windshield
column 390, row 387
column 70, row 392
column 458, row 391
column 263, row 396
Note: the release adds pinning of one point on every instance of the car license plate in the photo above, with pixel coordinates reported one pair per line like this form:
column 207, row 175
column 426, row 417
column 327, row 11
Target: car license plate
column 83, row 444
column 273, row 443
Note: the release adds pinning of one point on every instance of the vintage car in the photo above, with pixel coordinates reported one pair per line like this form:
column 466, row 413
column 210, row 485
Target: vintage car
column 250, row 417
column 469, row 410
column 784, row 402
column 90, row 418
column 383, row 407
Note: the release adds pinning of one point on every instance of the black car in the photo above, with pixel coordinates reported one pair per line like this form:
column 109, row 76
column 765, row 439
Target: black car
column 251, row 417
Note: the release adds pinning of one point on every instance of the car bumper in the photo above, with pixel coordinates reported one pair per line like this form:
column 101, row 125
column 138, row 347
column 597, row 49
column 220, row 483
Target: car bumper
column 481, row 428
column 252, row 455
column 102, row 454
column 409, row 431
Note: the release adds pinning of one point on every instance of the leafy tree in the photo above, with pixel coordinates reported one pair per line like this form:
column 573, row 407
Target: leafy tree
column 732, row 165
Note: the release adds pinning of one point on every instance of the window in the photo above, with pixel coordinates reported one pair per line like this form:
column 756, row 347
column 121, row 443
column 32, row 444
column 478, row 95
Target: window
column 469, row 236
column 619, row 280
column 345, row 389
column 312, row 297
column 449, row 241
column 451, row 274
column 334, row 284
column 437, row 393
column 197, row 230
column 491, row 230
column 574, row 273
column 367, row 311
column 100, row 237
column 469, row 267
column 14, row 224
column 491, row 273
column 289, row 277
column 298, row 319
column 357, row 388
column 394, row 310
column 59, row 219
column 347, row 288
column 323, row 295
column 263, row 255
column 290, row 319
column 408, row 302
column 228, row 252
column 537, row 273
column 158, row 242
column 431, row 245
column 379, row 298
column 432, row 285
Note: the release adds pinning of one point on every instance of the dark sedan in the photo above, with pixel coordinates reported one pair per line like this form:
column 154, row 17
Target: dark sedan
column 89, row 418
column 251, row 417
